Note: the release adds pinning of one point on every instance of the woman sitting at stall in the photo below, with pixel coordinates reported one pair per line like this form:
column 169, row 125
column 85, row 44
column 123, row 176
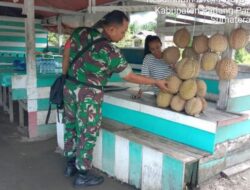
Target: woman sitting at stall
column 153, row 64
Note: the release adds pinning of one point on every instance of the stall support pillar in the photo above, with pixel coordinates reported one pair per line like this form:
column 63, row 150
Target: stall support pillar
column 160, row 22
column 31, row 67
column 224, row 85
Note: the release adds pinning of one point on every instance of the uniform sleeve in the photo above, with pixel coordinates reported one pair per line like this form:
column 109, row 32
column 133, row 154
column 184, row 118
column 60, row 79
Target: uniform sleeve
column 118, row 63
column 79, row 38
column 126, row 71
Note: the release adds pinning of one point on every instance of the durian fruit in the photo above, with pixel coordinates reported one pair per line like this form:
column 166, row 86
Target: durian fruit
column 200, row 44
column 197, row 70
column 227, row 69
column 238, row 38
column 201, row 88
column 177, row 103
column 187, row 68
column 190, row 53
column 218, row 43
column 209, row 61
column 171, row 55
column 204, row 104
column 193, row 106
column 182, row 38
column 173, row 84
column 188, row 89
column 163, row 99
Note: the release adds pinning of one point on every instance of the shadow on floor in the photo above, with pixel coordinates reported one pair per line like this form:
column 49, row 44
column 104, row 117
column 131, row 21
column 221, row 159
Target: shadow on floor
column 35, row 165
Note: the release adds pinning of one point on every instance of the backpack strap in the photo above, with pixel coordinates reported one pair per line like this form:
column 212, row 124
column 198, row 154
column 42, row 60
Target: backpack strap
column 48, row 114
column 80, row 53
column 58, row 119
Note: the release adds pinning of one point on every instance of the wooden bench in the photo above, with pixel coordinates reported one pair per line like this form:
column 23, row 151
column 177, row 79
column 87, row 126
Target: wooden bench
column 6, row 101
column 22, row 106
column 145, row 160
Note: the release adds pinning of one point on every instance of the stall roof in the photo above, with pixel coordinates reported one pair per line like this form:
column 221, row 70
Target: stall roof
column 48, row 8
column 210, row 12
column 12, row 7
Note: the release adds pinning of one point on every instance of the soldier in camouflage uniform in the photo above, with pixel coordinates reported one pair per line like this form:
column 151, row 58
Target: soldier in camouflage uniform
column 83, row 99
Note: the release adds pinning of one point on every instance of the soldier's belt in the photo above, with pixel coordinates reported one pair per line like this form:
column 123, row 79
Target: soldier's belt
column 74, row 80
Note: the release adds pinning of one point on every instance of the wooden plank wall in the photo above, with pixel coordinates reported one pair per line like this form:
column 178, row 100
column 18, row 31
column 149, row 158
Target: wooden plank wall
column 12, row 35
column 227, row 154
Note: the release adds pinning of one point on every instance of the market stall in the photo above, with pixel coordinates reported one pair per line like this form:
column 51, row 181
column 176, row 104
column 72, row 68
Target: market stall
column 141, row 143
column 222, row 130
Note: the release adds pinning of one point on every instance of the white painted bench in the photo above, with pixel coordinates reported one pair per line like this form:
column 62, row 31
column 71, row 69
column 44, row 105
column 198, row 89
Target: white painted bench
column 145, row 160
column 151, row 162
column 22, row 106
column 6, row 101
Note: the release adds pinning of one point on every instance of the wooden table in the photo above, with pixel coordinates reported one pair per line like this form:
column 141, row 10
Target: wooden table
column 6, row 72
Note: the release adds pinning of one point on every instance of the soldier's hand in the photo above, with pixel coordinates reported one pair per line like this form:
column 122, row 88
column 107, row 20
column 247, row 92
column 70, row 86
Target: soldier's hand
column 162, row 85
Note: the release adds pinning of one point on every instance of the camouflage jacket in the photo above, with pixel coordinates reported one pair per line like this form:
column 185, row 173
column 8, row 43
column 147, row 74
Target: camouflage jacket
column 98, row 63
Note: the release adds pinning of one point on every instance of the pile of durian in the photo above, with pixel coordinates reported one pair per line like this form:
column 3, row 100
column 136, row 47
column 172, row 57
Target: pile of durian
column 186, row 92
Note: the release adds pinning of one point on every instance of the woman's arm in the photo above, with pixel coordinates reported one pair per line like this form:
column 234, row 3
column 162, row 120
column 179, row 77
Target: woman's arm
column 139, row 79
column 145, row 72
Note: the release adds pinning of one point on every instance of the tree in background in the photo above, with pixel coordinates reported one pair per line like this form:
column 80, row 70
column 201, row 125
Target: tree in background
column 128, row 40
column 151, row 26
column 134, row 28
column 53, row 39
column 53, row 43
column 242, row 57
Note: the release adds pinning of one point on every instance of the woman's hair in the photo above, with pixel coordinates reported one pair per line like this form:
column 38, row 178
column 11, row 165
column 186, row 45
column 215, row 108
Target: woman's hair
column 149, row 39
column 115, row 17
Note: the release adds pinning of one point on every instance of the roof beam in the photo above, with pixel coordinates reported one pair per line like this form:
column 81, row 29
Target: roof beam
column 206, row 29
column 168, row 3
column 177, row 25
column 195, row 6
column 192, row 19
column 173, row 21
column 199, row 29
column 125, row 8
column 10, row 18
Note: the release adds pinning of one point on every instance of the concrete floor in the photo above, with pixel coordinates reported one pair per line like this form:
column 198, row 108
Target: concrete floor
column 35, row 165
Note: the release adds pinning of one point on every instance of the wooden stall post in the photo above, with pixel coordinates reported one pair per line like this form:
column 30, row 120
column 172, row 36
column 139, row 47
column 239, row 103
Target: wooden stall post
column 224, row 85
column 31, row 82
column 160, row 22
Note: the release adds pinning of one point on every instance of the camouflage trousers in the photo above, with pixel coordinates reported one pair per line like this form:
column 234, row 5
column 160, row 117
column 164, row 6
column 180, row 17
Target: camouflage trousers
column 82, row 117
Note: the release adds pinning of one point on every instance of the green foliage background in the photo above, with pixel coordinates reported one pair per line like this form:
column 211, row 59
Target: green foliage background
column 53, row 39
column 242, row 57
column 133, row 29
column 127, row 41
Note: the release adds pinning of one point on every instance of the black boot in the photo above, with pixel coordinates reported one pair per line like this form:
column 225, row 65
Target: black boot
column 70, row 169
column 84, row 179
